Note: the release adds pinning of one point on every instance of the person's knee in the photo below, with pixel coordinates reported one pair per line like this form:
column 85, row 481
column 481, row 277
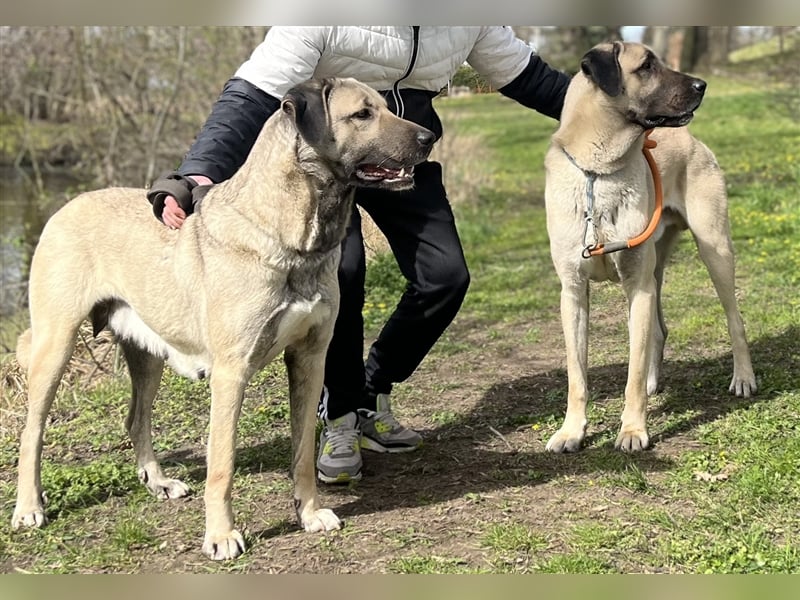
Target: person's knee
column 460, row 280
column 451, row 283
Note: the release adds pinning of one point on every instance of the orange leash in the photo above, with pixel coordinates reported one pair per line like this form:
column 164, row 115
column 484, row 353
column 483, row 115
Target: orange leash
column 600, row 249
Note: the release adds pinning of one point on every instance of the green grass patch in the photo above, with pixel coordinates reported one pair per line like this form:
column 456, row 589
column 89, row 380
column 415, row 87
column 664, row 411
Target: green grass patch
column 426, row 565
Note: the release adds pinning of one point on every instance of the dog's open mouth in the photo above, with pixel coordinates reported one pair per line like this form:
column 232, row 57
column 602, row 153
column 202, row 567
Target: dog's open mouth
column 684, row 119
column 381, row 174
column 668, row 121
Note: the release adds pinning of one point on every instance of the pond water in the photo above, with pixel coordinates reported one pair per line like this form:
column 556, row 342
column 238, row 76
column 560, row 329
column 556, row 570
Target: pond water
column 23, row 213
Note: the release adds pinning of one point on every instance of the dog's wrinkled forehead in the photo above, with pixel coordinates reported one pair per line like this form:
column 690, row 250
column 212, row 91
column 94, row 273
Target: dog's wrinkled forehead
column 316, row 104
column 350, row 96
column 635, row 57
column 607, row 64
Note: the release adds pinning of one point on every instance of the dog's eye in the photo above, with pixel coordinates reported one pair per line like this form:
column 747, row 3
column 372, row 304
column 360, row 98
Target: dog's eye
column 646, row 65
column 363, row 114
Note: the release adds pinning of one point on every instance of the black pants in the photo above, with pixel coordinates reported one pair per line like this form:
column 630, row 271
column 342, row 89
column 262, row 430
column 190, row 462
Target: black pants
column 420, row 229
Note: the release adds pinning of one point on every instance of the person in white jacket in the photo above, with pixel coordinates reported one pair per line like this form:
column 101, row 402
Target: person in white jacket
column 409, row 66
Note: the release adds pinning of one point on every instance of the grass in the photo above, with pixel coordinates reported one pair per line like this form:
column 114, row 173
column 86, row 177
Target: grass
column 766, row 49
column 718, row 494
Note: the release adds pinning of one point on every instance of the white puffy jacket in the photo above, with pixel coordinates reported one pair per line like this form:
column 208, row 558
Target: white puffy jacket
column 385, row 58
column 409, row 65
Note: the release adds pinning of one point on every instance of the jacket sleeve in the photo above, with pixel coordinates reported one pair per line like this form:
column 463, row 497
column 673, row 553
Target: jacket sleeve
column 286, row 57
column 230, row 131
column 512, row 67
column 540, row 87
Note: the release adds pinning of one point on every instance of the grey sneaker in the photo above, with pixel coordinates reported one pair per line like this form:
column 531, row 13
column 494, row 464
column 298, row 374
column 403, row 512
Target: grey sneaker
column 339, row 459
column 380, row 431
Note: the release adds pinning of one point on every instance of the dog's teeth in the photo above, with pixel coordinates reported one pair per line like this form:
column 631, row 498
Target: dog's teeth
column 402, row 172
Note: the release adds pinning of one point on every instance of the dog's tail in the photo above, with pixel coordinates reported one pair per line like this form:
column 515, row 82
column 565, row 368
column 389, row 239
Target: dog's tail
column 24, row 349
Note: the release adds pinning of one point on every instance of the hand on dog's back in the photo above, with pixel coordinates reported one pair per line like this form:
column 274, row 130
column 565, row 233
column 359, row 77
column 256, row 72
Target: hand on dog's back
column 173, row 215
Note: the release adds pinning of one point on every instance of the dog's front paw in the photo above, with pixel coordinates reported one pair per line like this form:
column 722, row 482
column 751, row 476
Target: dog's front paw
column 632, row 440
column 564, row 440
column 169, row 489
column 163, row 488
column 223, row 547
column 743, row 386
column 322, row 519
column 27, row 519
column 29, row 513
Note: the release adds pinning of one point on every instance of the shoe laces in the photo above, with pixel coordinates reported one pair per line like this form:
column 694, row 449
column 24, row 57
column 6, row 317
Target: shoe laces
column 341, row 437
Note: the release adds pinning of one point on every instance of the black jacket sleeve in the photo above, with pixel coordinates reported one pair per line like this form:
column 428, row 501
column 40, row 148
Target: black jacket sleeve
column 540, row 87
column 230, row 131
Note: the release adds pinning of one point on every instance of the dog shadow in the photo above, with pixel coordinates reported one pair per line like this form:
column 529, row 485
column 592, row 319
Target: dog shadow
column 455, row 461
column 470, row 455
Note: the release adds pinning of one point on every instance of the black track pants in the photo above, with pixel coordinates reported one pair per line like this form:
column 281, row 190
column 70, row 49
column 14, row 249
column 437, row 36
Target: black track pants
column 421, row 232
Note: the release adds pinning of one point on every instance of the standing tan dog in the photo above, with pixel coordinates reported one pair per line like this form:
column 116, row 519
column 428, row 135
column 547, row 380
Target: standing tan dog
column 599, row 190
column 251, row 274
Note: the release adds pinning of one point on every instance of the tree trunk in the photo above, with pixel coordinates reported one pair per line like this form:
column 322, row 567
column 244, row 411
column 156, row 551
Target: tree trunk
column 657, row 37
column 705, row 48
column 155, row 137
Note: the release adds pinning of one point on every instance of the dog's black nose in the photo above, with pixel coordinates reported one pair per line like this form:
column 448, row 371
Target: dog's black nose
column 425, row 138
column 699, row 86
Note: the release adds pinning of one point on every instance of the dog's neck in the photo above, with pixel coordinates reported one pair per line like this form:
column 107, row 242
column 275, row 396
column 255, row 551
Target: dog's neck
column 308, row 214
column 596, row 138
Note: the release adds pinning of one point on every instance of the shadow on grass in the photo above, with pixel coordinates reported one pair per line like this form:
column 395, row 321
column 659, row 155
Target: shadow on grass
column 454, row 463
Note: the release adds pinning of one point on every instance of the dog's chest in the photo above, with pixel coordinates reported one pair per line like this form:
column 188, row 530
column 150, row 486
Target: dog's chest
column 584, row 211
column 297, row 317
column 621, row 206
column 293, row 320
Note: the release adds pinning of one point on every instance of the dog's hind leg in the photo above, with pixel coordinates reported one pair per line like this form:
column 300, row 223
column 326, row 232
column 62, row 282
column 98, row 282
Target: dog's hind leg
column 145, row 371
column 51, row 345
column 664, row 247
column 712, row 234
column 306, row 372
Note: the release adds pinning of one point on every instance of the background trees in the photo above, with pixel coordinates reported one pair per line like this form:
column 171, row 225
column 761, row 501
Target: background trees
column 119, row 105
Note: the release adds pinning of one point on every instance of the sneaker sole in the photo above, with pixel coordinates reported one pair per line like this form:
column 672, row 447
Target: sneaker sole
column 370, row 444
column 340, row 478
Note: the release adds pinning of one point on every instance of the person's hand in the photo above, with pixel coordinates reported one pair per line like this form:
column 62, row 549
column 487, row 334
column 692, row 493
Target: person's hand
column 173, row 215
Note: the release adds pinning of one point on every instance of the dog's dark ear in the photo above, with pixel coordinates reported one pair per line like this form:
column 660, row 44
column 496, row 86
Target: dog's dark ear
column 602, row 67
column 307, row 104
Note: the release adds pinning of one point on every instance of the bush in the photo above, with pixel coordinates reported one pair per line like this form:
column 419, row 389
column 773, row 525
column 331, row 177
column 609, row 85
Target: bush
column 466, row 76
